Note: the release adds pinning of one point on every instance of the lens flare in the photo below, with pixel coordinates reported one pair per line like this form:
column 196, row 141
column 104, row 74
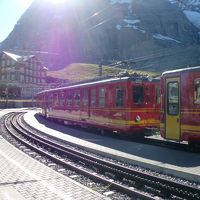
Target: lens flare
column 56, row 1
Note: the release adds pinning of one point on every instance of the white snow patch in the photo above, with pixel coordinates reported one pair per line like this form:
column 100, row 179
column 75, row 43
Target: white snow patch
column 130, row 8
column 162, row 37
column 172, row 1
column 193, row 2
column 139, row 29
column 135, row 28
column 194, row 17
column 131, row 21
column 131, row 24
column 121, row 1
column 118, row 27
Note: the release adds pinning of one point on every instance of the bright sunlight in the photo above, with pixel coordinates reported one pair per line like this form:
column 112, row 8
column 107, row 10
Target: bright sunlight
column 57, row 1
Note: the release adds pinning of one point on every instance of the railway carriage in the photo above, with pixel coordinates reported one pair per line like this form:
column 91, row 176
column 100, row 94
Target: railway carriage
column 121, row 104
column 180, row 105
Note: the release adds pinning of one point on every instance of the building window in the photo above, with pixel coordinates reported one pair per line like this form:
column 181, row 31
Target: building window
column 119, row 97
column 8, row 77
column 21, row 78
column 43, row 74
column 102, row 97
column 197, row 91
column 13, row 77
column 3, row 63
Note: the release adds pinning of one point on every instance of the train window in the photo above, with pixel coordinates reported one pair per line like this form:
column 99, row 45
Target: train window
column 119, row 97
column 147, row 94
column 50, row 99
column 93, row 98
column 77, row 98
column 173, row 98
column 101, row 97
column 62, row 98
column 69, row 99
column 85, row 98
column 157, row 94
column 138, row 94
column 197, row 91
column 56, row 99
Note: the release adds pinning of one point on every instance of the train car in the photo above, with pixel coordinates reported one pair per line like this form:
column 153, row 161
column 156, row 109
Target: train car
column 121, row 104
column 180, row 105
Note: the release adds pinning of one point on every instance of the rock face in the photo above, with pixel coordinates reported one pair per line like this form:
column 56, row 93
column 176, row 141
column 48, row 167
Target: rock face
column 154, row 34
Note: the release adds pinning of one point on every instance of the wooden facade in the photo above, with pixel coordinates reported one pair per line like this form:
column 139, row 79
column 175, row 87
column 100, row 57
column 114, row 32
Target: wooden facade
column 21, row 76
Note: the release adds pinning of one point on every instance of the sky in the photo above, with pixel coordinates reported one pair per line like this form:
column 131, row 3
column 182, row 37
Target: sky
column 10, row 13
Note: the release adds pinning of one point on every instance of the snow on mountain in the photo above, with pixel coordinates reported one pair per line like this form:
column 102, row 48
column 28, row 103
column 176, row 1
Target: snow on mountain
column 162, row 37
column 120, row 1
column 194, row 17
column 191, row 9
column 154, row 30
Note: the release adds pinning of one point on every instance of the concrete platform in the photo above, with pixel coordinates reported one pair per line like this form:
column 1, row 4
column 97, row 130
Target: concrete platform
column 22, row 177
column 176, row 163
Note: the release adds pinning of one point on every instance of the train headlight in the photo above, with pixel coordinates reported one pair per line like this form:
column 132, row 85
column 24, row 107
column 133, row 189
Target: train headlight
column 138, row 118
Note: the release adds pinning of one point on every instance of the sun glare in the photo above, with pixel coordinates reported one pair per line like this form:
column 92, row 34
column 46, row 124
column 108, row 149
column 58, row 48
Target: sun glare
column 57, row 1
column 70, row 2
column 25, row 3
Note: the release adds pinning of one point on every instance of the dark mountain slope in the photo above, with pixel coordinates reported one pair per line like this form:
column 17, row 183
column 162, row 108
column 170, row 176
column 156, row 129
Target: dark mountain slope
column 154, row 33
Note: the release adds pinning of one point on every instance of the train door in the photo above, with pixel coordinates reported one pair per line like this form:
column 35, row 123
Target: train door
column 173, row 108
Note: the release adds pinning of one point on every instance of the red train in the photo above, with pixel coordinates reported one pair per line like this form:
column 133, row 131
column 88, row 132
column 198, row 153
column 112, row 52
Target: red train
column 127, row 105
column 180, row 105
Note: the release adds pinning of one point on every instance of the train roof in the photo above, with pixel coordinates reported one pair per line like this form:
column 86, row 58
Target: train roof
column 136, row 78
column 197, row 68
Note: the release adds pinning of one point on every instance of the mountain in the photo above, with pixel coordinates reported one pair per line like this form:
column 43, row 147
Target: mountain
column 153, row 34
column 191, row 9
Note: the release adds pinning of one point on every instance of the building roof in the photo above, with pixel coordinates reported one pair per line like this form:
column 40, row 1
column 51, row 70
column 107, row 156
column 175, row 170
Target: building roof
column 11, row 55
column 17, row 57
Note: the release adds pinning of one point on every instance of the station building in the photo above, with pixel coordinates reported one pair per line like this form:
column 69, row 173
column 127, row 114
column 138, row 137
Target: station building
column 21, row 77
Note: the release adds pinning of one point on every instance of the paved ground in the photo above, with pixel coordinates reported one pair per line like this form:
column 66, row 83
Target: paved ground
column 177, row 163
column 22, row 177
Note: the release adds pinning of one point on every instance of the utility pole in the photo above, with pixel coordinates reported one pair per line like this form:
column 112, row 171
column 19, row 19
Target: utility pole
column 100, row 69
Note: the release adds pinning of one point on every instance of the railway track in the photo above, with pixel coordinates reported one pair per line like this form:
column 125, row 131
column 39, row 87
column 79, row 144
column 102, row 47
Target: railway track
column 116, row 177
